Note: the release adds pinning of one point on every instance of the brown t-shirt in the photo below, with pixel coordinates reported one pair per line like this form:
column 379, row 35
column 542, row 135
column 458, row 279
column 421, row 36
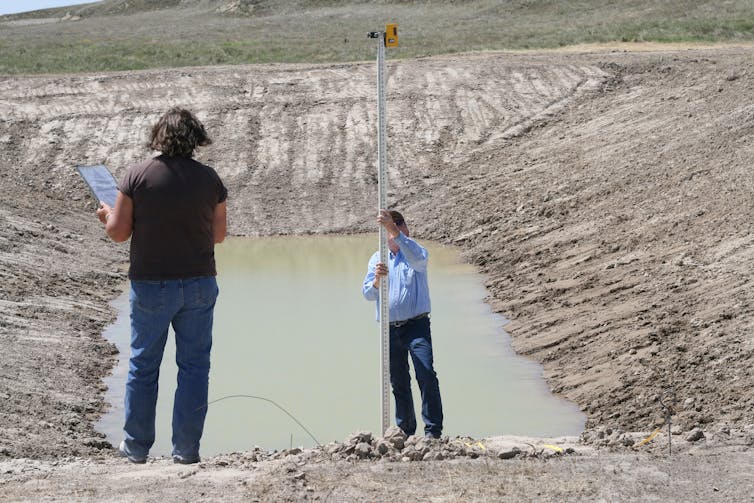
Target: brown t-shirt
column 174, row 201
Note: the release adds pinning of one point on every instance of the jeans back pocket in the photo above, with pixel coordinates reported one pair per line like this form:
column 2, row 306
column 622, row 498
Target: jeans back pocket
column 149, row 296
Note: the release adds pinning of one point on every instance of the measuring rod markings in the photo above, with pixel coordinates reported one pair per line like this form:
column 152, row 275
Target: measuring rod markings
column 390, row 38
column 382, row 203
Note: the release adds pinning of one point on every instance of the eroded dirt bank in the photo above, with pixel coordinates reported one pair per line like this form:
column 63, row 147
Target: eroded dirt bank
column 606, row 195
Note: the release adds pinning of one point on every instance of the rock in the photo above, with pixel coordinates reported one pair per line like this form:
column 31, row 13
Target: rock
column 509, row 454
column 412, row 454
column 457, row 448
column 433, row 456
column 363, row 450
column 548, row 453
column 695, row 435
column 382, row 447
column 422, row 450
column 396, row 437
column 359, row 437
column 349, row 449
column 421, row 444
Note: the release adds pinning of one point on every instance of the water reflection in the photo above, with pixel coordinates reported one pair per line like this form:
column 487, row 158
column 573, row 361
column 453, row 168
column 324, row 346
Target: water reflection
column 291, row 326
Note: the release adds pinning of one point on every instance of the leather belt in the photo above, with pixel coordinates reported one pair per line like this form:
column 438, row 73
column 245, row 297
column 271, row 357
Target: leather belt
column 396, row 324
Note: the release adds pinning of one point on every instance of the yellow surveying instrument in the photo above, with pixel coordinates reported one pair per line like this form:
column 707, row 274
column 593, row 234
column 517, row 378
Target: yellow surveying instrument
column 389, row 36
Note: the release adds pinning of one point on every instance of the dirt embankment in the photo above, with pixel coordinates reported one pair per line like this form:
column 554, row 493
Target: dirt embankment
column 617, row 236
column 607, row 196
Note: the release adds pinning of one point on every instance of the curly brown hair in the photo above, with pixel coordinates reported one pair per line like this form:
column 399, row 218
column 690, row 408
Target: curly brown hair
column 178, row 133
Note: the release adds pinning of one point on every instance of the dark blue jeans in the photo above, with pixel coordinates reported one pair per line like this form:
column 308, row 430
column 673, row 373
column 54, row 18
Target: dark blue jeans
column 414, row 338
column 189, row 305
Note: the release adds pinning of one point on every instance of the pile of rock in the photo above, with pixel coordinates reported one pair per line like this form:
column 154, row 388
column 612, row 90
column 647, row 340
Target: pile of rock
column 605, row 437
column 395, row 445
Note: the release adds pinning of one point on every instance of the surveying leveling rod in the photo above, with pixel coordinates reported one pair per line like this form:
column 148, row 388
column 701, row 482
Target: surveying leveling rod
column 387, row 38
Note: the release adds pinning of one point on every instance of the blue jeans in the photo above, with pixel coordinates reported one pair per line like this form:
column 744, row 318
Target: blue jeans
column 188, row 304
column 414, row 338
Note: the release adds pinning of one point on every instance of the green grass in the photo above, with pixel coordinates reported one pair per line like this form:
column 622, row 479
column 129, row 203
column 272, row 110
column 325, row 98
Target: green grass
column 334, row 31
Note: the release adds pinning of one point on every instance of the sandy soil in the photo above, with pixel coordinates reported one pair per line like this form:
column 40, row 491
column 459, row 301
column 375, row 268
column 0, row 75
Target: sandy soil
column 605, row 194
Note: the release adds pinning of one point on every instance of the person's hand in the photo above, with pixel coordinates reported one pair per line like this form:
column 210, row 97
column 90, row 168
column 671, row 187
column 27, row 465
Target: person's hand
column 103, row 212
column 380, row 271
column 385, row 219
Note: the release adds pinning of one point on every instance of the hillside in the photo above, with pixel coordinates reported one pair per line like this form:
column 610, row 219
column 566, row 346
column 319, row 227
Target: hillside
column 140, row 34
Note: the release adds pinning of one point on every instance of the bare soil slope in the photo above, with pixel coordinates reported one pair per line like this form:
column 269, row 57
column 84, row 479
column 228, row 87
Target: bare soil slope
column 606, row 195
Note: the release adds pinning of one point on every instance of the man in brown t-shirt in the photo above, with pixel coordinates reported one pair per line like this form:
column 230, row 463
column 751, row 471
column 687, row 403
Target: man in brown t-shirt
column 174, row 210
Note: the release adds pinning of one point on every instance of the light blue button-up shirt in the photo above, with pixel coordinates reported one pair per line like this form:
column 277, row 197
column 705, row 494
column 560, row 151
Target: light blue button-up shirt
column 407, row 278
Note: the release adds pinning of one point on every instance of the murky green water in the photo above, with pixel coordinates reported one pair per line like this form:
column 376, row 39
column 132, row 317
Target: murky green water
column 292, row 326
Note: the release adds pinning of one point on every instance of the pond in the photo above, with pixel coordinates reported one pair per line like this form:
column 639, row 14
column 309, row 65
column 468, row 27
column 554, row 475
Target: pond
column 292, row 327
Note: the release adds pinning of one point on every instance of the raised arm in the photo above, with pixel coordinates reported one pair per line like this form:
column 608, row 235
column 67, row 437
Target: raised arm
column 416, row 255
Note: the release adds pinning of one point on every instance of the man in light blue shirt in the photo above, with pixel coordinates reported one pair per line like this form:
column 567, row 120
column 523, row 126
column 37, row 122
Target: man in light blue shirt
column 409, row 324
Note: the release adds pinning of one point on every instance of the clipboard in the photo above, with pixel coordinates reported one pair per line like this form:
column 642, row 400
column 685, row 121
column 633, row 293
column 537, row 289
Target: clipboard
column 101, row 182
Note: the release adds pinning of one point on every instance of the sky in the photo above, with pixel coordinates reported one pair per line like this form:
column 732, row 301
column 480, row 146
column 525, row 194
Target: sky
column 13, row 6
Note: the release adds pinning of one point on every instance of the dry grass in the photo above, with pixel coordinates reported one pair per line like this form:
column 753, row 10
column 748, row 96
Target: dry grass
column 157, row 33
